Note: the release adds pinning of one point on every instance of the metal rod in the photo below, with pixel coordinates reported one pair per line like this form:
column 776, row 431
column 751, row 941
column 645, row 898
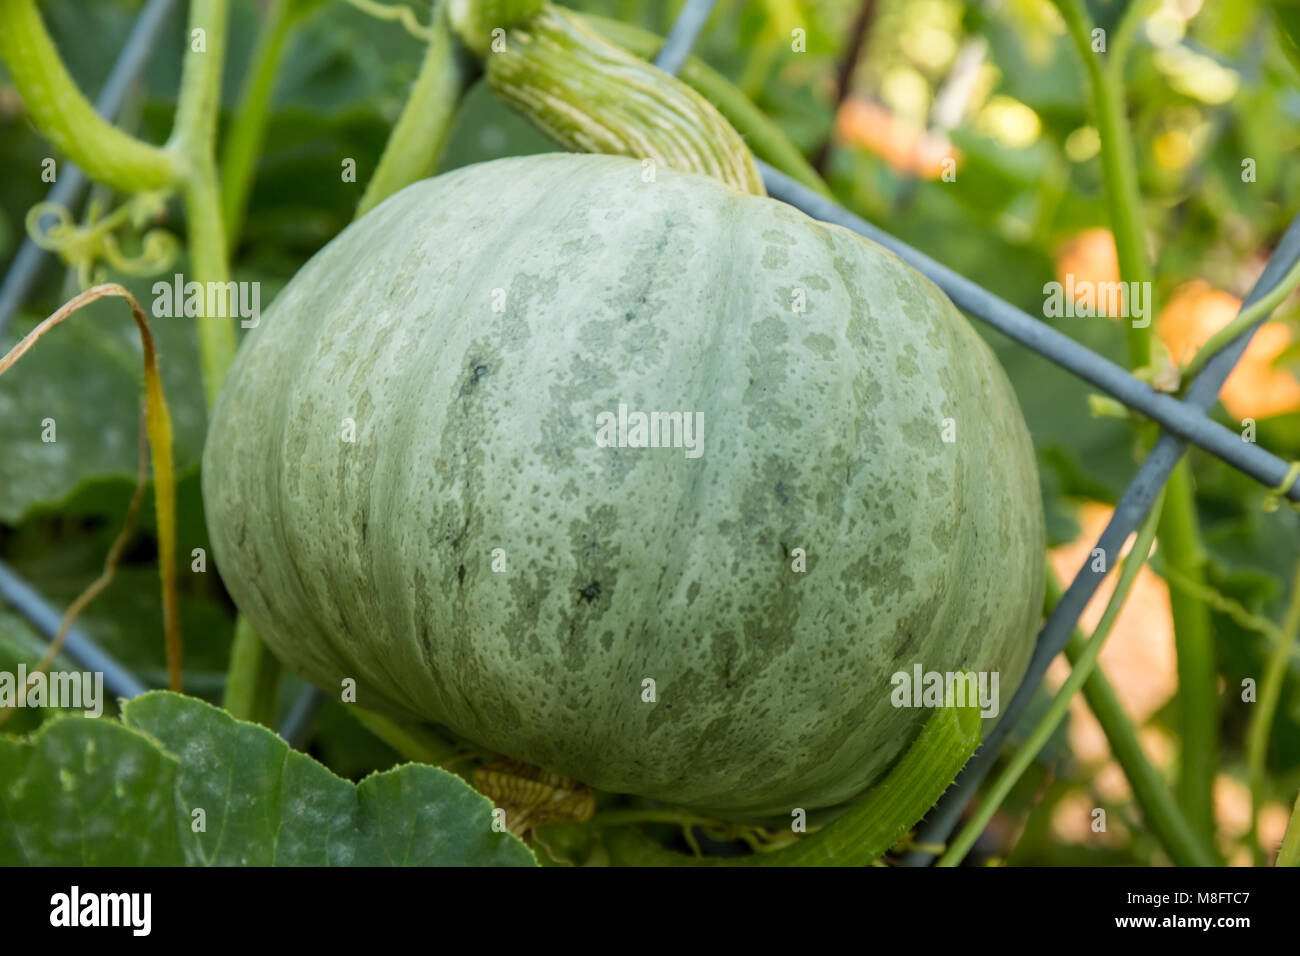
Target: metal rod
column 686, row 30
column 1182, row 418
column 79, row 646
column 1131, row 510
column 302, row 716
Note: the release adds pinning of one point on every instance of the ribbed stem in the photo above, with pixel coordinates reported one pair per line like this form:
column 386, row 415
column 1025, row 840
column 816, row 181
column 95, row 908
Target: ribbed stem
column 593, row 97
column 765, row 139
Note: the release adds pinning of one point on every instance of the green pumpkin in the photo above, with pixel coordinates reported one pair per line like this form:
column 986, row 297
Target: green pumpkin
column 406, row 483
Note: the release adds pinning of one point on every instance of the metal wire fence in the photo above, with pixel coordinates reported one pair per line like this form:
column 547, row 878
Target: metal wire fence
column 1183, row 422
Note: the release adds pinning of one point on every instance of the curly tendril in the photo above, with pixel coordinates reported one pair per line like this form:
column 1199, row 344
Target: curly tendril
column 403, row 15
column 84, row 247
column 1278, row 495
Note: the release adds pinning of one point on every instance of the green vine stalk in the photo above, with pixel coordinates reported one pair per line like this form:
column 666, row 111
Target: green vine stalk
column 193, row 141
column 1244, row 320
column 1261, row 724
column 412, row 741
column 1289, row 853
column 242, row 143
column 1083, row 667
column 417, row 139
column 1198, row 713
column 66, row 118
column 252, row 677
column 1161, row 812
column 117, row 159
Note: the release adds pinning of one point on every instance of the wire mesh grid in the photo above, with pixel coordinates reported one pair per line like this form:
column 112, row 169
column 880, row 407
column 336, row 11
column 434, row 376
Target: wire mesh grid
column 1183, row 422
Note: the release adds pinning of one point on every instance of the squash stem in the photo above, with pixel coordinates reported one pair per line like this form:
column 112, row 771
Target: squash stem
column 413, row 742
column 192, row 142
column 117, row 159
column 1198, row 689
column 253, row 680
column 217, row 342
column 1248, row 317
column 764, row 138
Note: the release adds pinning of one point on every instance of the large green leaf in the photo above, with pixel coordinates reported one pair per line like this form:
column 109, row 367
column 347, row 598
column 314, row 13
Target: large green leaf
column 88, row 792
column 96, row 792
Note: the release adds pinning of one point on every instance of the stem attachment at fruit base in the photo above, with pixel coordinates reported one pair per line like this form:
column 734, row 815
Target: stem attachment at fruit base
column 764, row 138
column 158, row 428
column 591, row 96
column 867, row 829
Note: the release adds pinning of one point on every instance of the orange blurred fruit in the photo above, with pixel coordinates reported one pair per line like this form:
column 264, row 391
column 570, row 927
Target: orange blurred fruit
column 1091, row 258
column 1255, row 389
column 1138, row 658
column 907, row 148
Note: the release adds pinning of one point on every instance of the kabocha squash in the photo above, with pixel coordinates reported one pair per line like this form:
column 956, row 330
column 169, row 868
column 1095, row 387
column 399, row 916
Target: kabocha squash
column 426, row 472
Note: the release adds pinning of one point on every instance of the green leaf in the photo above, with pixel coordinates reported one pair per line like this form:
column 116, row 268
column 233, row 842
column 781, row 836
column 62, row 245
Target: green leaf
column 87, row 792
column 341, row 743
column 1287, row 14
column 96, row 424
column 95, row 792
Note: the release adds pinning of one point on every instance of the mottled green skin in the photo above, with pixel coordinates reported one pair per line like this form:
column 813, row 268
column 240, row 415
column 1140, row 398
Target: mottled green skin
column 475, row 430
